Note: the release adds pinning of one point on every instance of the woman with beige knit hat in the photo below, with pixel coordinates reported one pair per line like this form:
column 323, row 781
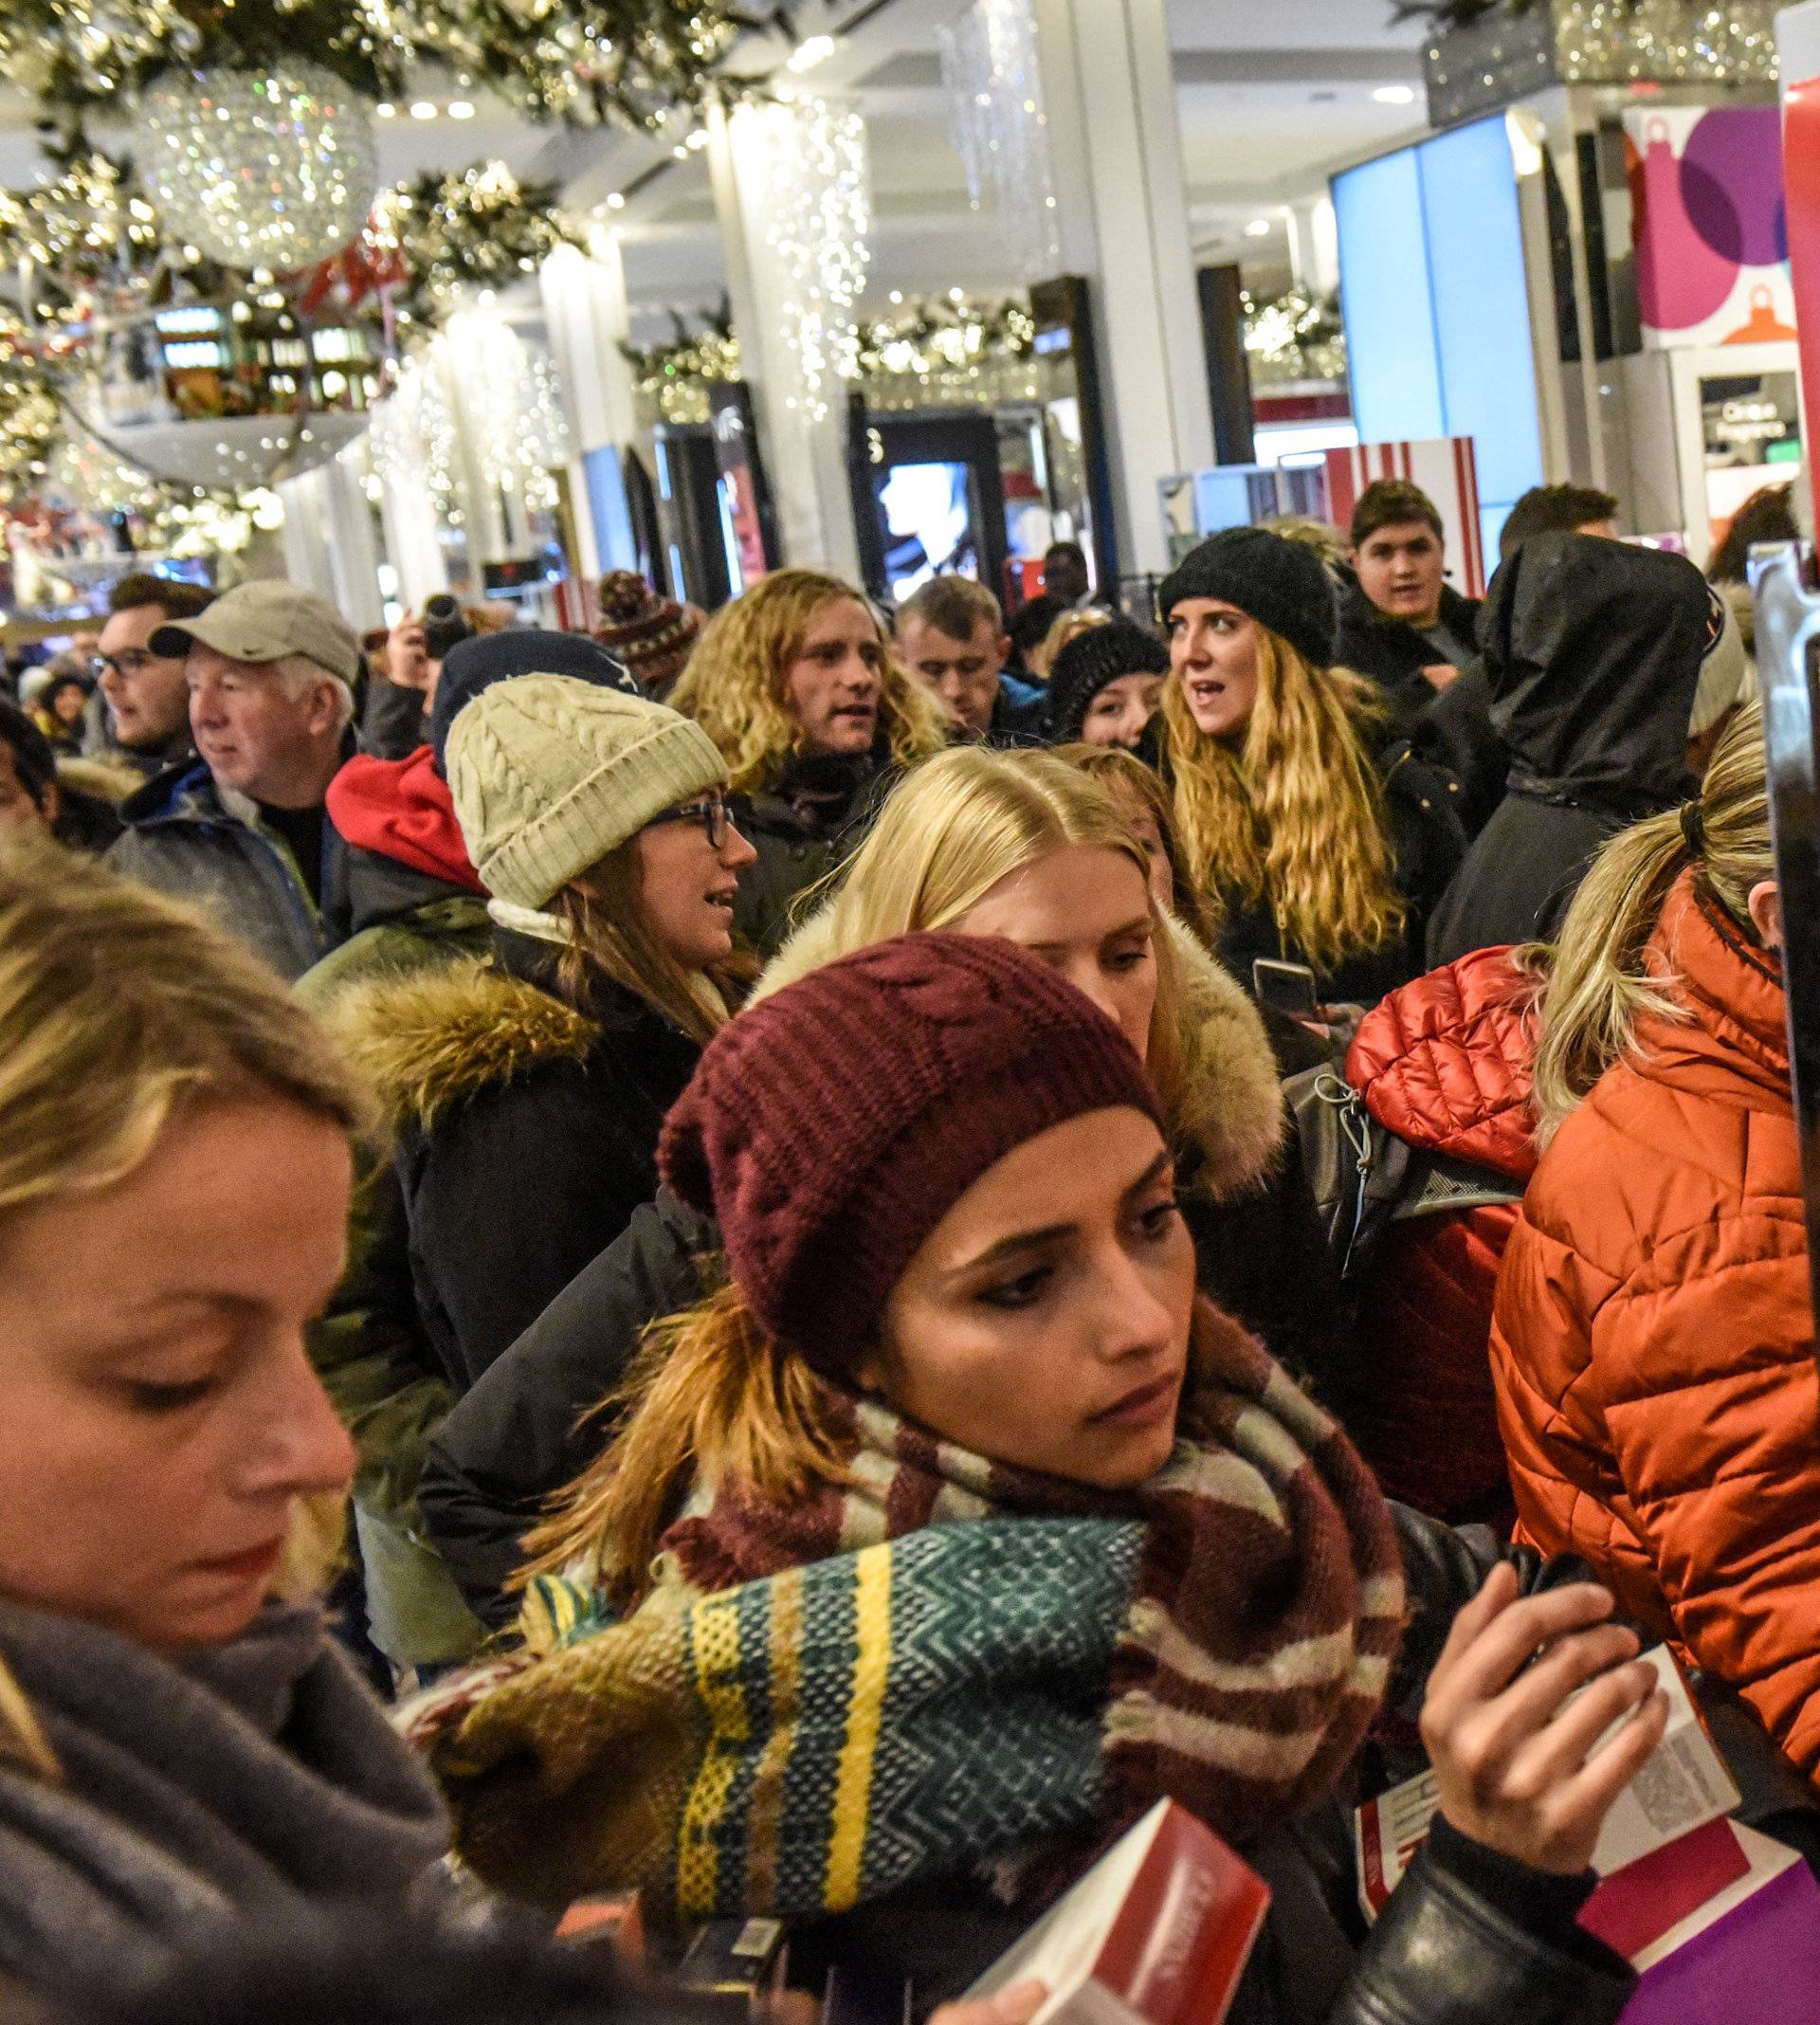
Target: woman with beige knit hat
column 526, row 1089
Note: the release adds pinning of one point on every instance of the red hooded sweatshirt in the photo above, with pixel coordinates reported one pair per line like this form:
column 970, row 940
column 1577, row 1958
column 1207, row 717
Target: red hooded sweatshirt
column 401, row 809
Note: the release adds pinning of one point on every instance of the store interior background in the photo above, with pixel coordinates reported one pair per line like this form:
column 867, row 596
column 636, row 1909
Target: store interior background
column 1495, row 271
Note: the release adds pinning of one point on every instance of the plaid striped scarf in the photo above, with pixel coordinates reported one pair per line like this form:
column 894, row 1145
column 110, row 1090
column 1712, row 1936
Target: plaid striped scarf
column 944, row 1664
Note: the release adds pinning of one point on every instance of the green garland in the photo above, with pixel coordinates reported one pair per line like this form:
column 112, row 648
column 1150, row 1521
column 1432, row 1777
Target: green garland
column 1295, row 337
column 628, row 62
column 477, row 228
column 944, row 334
column 672, row 379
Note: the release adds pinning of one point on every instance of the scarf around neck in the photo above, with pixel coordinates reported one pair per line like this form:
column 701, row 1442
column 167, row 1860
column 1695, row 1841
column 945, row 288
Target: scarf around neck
column 256, row 1778
column 941, row 1664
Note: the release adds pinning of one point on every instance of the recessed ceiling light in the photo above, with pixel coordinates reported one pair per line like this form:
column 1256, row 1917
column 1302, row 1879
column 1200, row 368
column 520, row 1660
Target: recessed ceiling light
column 616, row 201
column 423, row 109
column 385, row 111
column 1258, row 229
column 460, row 109
column 1394, row 95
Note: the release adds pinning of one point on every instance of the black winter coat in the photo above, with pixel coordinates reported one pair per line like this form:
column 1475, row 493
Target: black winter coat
column 1258, row 1241
column 526, row 1134
column 1455, row 732
column 802, row 826
column 1593, row 653
column 1393, row 654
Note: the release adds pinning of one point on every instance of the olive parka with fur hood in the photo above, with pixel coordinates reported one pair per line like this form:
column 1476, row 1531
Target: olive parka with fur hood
column 525, row 1135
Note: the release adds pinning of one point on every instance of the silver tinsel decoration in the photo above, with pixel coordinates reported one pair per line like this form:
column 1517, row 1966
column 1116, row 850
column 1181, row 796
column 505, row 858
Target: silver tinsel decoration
column 269, row 168
column 1683, row 40
column 989, row 70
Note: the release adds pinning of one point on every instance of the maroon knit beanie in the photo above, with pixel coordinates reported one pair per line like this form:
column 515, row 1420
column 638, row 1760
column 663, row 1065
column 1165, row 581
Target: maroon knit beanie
column 831, row 1127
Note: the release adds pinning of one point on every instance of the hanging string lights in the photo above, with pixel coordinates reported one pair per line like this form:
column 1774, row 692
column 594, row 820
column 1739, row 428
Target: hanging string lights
column 818, row 212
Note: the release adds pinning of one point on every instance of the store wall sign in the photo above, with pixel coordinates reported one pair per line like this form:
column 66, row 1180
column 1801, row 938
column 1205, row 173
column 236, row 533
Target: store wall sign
column 1709, row 224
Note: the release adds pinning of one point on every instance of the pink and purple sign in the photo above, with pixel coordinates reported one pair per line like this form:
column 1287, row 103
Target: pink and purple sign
column 1709, row 224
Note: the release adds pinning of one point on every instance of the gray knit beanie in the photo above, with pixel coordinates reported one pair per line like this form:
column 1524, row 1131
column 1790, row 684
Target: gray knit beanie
column 547, row 775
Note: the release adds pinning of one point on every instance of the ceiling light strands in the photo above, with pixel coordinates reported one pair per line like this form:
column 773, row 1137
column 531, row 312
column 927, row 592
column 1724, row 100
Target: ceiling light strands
column 991, row 72
column 818, row 212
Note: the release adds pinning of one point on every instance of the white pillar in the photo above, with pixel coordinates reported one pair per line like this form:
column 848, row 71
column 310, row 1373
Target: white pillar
column 1313, row 245
column 1109, row 95
column 413, row 541
column 328, row 540
column 585, row 310
column 805, row 458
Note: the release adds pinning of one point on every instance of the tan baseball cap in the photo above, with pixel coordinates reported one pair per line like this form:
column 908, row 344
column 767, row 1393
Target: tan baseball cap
column 265, row 620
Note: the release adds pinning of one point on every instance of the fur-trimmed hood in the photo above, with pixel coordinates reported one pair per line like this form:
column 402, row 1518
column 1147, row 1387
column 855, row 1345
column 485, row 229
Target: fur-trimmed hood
column 1235, row 1115
column 440, row 1037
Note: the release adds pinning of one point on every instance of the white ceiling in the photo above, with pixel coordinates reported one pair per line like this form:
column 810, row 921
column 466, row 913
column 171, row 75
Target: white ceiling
column 1269, row 98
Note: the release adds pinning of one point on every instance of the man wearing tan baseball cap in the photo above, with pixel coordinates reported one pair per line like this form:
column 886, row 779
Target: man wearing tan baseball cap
column 270, row 668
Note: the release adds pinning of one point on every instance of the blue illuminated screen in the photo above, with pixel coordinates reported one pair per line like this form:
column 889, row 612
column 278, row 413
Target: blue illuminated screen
column 1437, row 313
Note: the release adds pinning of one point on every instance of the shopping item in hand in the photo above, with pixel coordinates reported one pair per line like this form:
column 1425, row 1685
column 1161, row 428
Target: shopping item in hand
column 1157, row 1933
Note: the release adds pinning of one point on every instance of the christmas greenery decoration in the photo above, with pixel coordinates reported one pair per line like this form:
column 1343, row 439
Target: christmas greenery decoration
column 478, row 228
column 29, row 415
column 672, row 379
column 929, row 337
column 941, row 343
column 630, row 61
column 1295, row 337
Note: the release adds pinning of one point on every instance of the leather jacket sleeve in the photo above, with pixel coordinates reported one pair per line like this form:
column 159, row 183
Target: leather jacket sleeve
column 1442, row 1954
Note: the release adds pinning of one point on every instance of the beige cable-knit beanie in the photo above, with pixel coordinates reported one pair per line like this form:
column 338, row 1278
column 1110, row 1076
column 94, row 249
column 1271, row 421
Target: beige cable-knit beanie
column 547, row 775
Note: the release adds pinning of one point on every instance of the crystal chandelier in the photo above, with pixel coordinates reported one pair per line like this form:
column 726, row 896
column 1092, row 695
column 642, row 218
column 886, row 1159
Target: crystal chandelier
column 995, row 85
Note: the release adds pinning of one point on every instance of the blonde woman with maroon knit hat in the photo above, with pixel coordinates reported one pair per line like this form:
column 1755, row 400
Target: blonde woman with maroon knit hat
column 956, row 1529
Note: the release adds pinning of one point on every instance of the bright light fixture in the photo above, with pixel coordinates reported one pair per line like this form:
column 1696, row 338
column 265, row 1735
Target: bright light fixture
column 616, row 201
column 385, row 111
column 424, row 109
column 1394, row 95
column 1258, row 229
column 460, row 109
column 817, row 49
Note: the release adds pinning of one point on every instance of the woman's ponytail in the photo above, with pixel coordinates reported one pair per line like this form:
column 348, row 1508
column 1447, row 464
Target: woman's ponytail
column 1602, row 984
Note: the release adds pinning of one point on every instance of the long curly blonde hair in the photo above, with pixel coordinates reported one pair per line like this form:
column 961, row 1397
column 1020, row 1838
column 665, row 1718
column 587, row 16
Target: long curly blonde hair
column 1293, row 817
column 734, row 685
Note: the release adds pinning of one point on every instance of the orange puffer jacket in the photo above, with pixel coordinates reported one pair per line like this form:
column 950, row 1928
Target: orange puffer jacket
column 1653, row 1338
column 1445, row 1064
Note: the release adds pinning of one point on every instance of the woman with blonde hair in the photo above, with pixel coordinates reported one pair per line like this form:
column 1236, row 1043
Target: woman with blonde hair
column 524, row 1087
column 1307, row 848
column 957, row 1529
column 1019, row 845
column 797, row 684
column 1654, row 1339
column 181, row 1744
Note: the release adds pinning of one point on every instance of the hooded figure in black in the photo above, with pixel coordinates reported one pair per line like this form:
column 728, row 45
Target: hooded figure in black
column 1595, row 652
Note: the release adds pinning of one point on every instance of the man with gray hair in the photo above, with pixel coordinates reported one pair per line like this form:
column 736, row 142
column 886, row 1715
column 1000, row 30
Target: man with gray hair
column 240, row 830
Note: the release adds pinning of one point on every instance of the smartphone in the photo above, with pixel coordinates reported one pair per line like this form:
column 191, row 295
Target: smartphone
column 1288, row 987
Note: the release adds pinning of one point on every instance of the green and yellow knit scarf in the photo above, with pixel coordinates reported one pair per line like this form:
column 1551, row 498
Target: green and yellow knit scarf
column 941, row 1666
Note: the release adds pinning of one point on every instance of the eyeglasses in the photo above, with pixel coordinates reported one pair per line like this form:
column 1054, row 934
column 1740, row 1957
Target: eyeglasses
column 710, row 812
column 132, row 660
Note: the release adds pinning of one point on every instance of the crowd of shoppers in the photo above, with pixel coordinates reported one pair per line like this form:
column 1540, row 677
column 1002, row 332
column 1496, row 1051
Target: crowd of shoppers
column 895, row 1251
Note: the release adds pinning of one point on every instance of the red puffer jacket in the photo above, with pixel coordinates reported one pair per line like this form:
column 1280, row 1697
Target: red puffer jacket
column 1445, row 1064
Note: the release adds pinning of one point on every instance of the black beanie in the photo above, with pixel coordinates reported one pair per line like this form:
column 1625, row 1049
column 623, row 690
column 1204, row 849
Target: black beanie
column 1282, row 584
column 479, row 661
column 1097, row 655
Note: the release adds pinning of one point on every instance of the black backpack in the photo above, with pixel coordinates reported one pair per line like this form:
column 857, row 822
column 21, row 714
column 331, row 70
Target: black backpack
column 1364, row 1178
